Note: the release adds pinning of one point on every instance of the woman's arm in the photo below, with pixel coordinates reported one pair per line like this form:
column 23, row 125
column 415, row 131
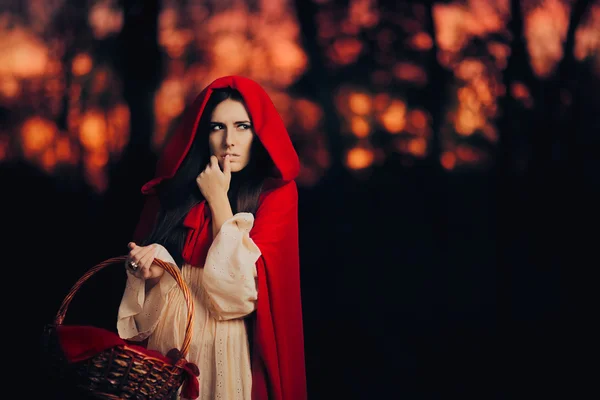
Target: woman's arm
column 214, row 185
column 220, row 210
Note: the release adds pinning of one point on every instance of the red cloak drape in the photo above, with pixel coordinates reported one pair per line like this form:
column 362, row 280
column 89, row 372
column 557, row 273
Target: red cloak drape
column 278, row 366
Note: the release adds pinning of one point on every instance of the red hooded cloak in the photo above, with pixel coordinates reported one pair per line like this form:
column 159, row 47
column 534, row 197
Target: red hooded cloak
column 278, row 366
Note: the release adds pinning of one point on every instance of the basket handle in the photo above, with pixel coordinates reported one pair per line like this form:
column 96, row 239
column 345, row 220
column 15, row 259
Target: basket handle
column 170, row 268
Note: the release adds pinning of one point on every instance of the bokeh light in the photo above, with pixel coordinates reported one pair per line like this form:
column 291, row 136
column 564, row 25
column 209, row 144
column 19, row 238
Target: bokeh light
column 66, row 105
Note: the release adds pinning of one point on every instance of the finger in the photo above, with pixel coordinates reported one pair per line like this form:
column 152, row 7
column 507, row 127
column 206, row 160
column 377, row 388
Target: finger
column 130, row 268
column 227, row 166
column 148, row 264
column 133, row 254
column 214, row 162
column 131, row 246
column 147, row 250
column 148, row 258
column 145, row 272
column 139, row 252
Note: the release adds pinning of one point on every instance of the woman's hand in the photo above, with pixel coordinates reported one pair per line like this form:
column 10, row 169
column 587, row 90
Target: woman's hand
column 143, row 257
column 214, row 183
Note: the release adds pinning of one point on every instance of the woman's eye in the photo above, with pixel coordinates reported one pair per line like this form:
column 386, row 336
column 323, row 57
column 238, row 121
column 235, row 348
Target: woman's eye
column 216, row 127
column 244, row 126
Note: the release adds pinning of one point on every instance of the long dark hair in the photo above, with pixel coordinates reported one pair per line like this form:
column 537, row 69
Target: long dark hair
column 179, row 194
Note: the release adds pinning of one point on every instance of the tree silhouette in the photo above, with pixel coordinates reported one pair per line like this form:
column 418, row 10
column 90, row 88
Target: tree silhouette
column 139, row 62
column 530, row 167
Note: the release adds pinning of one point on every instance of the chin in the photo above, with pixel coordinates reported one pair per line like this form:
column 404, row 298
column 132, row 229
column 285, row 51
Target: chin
column 235, row 166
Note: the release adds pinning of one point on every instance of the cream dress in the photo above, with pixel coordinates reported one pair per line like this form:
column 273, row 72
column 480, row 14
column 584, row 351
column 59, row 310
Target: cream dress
column 224, row 291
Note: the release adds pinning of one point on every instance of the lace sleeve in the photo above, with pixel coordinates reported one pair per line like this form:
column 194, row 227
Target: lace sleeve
column 230, row 269
column 140, row 311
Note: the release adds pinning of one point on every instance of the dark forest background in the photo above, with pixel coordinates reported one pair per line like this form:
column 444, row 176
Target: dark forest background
column 435, row 255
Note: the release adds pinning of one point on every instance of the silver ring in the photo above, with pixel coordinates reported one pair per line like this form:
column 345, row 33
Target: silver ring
column 133, row 265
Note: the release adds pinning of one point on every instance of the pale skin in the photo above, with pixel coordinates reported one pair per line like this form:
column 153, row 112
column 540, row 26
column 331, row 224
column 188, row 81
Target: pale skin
column 230, row 140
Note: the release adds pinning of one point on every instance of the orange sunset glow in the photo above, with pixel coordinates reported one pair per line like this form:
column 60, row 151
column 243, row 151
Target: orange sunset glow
column 67, row 107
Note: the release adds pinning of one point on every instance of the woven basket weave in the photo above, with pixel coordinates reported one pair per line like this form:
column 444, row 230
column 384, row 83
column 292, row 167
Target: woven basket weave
column 120, row 372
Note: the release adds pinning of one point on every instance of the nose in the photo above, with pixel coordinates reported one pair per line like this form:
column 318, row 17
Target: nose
column 229, row 139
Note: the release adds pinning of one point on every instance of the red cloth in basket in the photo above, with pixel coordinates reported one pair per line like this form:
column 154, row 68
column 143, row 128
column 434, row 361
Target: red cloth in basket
column 79, row 343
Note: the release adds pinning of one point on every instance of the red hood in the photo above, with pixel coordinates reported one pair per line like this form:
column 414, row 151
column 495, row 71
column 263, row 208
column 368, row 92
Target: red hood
column 266, row 121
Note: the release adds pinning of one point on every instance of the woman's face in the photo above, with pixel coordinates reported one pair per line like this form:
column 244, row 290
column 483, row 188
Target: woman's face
column 231, row 133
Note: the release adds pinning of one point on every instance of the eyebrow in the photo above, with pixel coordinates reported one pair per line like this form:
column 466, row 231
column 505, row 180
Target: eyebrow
column 237, row 122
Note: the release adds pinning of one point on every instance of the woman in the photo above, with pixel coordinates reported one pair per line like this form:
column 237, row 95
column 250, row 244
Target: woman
column 223, row 208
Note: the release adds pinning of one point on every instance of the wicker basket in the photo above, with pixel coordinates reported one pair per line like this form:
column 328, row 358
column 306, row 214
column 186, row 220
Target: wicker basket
column 121, row 372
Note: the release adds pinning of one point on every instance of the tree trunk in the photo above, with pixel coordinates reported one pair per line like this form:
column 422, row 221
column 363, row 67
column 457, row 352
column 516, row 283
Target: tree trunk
column 317, row 78
column 528, row 211
column 139, row 65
